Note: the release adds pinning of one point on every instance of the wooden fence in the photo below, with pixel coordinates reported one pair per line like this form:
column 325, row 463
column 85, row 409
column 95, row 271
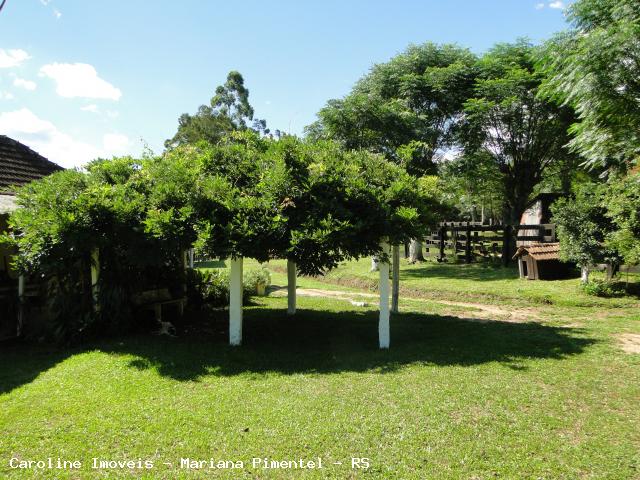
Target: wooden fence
column 472, row 241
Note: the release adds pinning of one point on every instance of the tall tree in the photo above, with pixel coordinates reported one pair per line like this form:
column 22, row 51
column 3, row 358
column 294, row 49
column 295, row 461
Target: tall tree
column 595, row 67
column 506, row 118
column 415, row 97
column 229, row 110
column 407, row 109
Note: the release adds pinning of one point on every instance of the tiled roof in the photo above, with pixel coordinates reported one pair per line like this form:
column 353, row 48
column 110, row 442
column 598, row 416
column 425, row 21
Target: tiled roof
column 20, row 165
column 540, row 251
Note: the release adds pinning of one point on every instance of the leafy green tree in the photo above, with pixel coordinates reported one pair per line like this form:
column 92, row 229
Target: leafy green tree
column 506, row 118
column 415, row 97
column 595, row 68
column 623, row 208
column 472, row 184
column 408, row 109
column 583, row 227
column 229, row 110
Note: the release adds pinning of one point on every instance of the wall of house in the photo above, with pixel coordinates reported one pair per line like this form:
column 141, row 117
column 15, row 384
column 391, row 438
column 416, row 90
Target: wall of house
column 6, row 272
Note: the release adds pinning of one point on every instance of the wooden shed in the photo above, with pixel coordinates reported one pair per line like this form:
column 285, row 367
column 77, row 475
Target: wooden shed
column 541, row 261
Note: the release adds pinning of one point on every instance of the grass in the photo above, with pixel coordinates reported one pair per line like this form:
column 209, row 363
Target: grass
column 453, row 398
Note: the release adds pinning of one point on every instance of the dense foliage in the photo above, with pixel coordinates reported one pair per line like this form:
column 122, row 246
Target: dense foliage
column 595, row 67
column 407, row 109
column 247, row 196
column 583, row 226
column 506, row 119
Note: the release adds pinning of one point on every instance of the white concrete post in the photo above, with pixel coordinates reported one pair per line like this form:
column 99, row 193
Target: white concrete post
column 20, row 324
column 291, row 287
column 395, row 285
column 584, row 274
column 383, row 322
column 235, row 302
column 191, row 255
column 95, row 275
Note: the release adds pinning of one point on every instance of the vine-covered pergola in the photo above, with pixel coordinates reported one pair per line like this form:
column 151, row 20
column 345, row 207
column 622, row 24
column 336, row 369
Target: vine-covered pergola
column 313, row 204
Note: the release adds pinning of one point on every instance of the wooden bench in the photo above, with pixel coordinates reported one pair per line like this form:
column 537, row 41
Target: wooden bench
column 156, row 299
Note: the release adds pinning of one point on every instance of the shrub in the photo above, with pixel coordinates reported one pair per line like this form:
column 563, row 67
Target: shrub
column 253, row 278
column 602, row 288
column 212, row 286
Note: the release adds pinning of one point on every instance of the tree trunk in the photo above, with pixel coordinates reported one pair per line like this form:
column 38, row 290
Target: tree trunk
column 584, row 274
column 374, row 264
column 415, row 251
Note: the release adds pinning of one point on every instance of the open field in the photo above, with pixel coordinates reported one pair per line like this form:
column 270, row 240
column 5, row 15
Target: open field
column 538, row 387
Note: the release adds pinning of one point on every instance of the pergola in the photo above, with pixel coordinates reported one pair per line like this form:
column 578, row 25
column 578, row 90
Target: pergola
column 384, row 333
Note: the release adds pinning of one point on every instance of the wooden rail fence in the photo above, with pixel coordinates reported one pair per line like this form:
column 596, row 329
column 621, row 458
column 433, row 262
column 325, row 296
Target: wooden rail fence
column 473, row 241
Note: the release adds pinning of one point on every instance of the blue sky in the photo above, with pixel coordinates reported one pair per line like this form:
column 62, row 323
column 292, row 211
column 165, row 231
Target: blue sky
column 80, row 79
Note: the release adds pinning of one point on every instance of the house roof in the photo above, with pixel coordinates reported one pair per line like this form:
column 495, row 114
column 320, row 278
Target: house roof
column 540, row 251
column 20, row 165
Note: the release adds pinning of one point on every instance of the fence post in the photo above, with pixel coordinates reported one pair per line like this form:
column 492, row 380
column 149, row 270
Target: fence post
column 506, row 244
column 395, row 281
column 467, row 247
column 442, row 233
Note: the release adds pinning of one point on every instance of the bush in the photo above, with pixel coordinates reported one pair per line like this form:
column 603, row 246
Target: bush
column 212, row 286
column 253, row 278
column 602, row 288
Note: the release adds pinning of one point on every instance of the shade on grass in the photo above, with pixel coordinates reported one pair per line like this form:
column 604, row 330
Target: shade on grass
column 453, row 399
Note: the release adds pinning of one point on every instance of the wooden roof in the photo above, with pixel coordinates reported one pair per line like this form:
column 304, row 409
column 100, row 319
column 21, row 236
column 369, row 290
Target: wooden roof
column 540, row 251
column 20, row 165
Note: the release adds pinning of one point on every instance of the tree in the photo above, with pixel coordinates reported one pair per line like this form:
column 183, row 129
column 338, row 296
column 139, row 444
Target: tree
column 583, row 227
column 407, row 109
column 472, row 184
column 623, row 208
column 595, row 68
column 506, row 118
column 415, row 97
column 229, row 110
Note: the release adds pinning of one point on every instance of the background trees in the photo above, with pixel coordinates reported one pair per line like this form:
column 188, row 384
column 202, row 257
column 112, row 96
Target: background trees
column 229, row 110
column 506, row 119
column 414, row 100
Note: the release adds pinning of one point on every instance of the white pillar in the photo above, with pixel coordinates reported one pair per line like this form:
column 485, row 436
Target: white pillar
column 191, row 255
column 95, row 275
column 395, row 285
column 20, row 324
column 584, row 274
column 383, row 322
column 291, row 287
column 235, row 302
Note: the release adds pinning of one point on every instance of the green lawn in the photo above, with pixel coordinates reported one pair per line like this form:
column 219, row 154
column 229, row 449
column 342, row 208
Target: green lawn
column 454, row 398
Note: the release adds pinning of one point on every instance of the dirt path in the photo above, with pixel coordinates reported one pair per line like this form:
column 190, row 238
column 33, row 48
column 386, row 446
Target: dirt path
column 629, row 342
column 476, row 311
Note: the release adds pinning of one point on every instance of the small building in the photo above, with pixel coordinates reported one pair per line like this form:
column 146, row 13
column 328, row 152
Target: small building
column 541, row 261
column 19, row 165
column 538, row 215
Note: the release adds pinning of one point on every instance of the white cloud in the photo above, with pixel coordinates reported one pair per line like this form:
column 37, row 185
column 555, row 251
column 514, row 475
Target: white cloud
column 22, row 83
column 79, row 80
column 45, row 2
column 113, row 114
column 116, row 143
column 57, row 13
column 45, row 138
column 539, row 6
column 6, row 95
column 556, row 4
column 12, row 58
column 93, row 108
